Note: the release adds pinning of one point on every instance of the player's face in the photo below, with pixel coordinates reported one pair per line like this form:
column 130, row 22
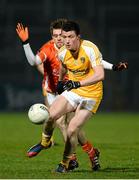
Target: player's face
column 71, row 40
column 58, row 39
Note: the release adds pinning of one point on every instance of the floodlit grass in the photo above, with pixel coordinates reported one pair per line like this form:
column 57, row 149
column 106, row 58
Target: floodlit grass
column 115, row 134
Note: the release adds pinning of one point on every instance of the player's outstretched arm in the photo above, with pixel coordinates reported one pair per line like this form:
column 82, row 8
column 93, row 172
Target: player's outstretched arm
column 115, row 67
column 23, row 34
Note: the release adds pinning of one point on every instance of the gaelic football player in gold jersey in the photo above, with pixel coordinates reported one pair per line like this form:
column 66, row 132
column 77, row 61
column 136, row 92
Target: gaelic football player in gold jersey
column 82, row 61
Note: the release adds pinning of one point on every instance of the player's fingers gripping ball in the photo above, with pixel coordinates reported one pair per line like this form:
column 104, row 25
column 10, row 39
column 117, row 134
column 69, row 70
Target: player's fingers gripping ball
column 38, row 113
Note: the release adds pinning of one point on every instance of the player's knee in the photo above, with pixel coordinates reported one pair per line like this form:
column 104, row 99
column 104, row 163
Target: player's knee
column 71, row 131
column 52, row 117
column 62, row 127
column 61, row 123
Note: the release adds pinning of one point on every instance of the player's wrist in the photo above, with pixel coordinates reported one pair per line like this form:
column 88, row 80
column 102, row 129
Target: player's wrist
column 59, row 87
column 114, row 67
column 25, row 42
column 78, row 84
column 71, row 85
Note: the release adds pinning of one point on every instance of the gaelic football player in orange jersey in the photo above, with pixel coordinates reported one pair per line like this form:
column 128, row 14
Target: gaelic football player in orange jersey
column 50, row 63
column 47, row 55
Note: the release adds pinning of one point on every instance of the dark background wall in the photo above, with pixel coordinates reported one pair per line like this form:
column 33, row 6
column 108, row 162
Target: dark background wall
column 113, row 25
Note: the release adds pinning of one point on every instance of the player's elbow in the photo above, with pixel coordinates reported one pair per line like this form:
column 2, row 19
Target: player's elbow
column 32, row 64
column 102, row 76
column 34, row 60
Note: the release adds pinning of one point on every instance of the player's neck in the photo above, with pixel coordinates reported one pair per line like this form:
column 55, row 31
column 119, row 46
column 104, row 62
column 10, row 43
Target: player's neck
column 57, row 48
column 76, row 51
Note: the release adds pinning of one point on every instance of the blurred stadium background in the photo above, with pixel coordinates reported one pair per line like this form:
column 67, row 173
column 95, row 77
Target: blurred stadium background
column 112, row 25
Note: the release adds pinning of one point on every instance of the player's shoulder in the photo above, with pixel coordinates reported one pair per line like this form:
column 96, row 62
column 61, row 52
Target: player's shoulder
column 62, row 52
column 63, row 48
column 49, row 44
column 87, row 43
column 90, row 47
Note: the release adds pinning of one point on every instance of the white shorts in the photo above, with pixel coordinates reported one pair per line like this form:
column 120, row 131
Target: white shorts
column 51, row 97
column 85, row 103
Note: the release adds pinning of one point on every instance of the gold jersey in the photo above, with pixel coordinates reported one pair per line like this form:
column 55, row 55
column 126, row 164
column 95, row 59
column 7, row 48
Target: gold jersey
column 81, row 68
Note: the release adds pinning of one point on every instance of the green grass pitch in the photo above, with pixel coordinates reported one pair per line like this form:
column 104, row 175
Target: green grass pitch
column 115, row 134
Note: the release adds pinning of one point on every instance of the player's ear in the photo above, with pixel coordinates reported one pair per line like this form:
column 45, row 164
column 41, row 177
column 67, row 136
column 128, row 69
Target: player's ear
column 79, row 36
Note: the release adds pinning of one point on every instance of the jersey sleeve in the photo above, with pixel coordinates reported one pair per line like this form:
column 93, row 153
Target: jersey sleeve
column 95, row 56
column 93, row 53
column 61, row 54
column 44, row 52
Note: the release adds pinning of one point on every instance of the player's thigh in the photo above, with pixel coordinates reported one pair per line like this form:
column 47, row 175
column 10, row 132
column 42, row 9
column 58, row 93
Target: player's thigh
column 61, row 122
column 69, row 116
column 79, row 120
column 60, row 107
column 49, row 98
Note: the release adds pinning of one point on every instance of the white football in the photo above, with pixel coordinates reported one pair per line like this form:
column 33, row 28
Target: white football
column 38, row 113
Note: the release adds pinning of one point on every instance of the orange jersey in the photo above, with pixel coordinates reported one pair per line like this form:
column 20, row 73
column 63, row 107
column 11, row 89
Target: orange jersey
column 48, row 54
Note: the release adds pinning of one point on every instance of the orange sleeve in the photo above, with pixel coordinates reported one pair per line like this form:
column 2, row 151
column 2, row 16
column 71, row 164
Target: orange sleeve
column 44, row 51
column 42, row 56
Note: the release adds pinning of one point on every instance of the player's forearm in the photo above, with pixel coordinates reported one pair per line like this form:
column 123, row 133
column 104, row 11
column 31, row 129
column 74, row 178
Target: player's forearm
column 62, row 73
column 107, row 65
column 40, row 68
column 97, row 76
column 32, row 59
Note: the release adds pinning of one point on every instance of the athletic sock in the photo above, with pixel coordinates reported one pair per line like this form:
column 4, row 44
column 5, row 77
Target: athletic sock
column 65, row 162
column 88, row 148
column 73, row 156
column 46, row 140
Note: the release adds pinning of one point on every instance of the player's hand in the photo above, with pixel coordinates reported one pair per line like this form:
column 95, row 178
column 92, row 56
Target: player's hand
column 120, row 66
column 59, row 87
column 22, row 32
column 71, row 85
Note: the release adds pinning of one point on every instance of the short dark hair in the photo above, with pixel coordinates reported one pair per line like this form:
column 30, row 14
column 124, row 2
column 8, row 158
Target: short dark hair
column 71, row 26
column 57, row 24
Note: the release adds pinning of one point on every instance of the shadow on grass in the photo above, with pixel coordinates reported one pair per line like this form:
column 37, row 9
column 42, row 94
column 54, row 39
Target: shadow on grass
column 128, row 169
column 118, row 169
